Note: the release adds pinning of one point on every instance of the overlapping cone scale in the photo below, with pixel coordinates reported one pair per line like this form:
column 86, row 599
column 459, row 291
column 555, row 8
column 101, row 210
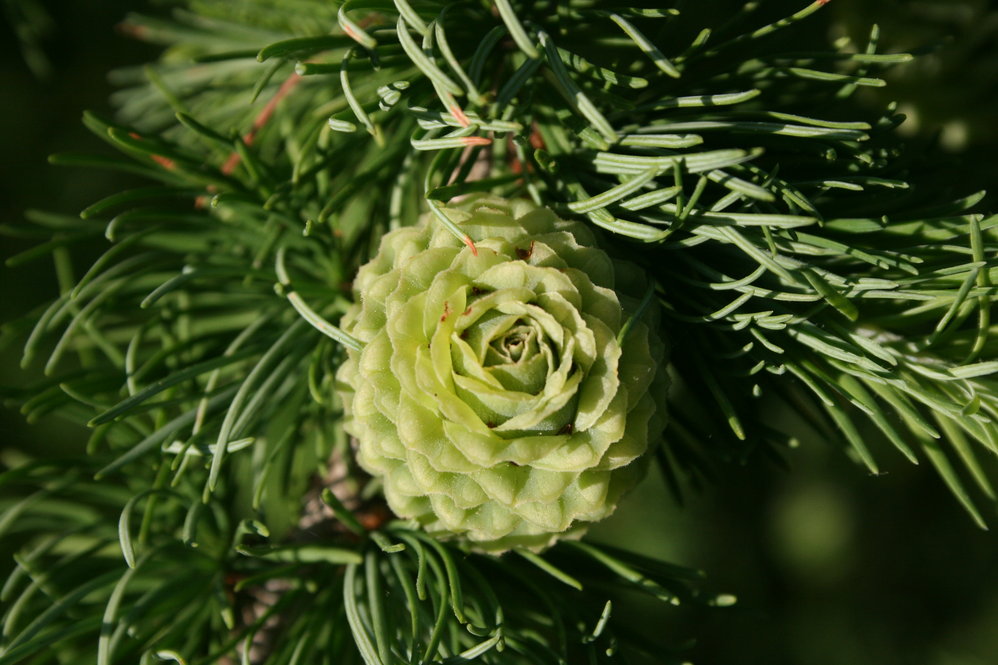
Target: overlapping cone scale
column 492, row 395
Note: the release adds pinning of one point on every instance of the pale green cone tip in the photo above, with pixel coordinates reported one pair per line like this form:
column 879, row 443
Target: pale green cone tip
column 492, row 396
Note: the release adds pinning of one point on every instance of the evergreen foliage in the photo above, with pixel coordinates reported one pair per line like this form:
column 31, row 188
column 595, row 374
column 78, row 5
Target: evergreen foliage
column 800, row 252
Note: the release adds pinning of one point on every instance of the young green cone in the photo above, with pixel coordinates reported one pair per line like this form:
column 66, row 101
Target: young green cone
column 493, row 395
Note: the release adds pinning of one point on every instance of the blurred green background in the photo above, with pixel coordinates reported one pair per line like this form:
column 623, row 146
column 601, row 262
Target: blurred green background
column 830, row 566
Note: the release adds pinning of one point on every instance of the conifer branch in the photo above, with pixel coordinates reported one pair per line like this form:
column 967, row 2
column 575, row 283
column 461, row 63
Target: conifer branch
column 799, row 251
